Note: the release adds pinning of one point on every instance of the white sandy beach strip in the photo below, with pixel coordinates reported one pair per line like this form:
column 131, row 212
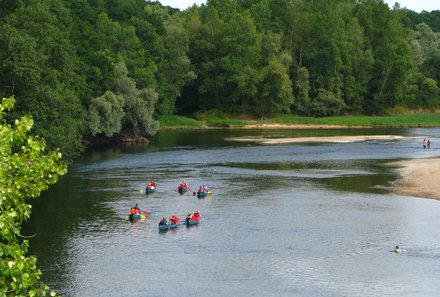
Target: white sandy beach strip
column 419, row 178
column 335, row 139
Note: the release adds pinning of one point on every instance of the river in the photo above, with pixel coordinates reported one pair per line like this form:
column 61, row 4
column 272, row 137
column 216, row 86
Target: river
column 308, row 219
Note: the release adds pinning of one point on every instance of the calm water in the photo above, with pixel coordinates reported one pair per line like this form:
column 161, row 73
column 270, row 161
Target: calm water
column 283, row 220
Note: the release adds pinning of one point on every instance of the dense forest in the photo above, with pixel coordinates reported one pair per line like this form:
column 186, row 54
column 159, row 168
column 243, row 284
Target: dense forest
column 103, row 68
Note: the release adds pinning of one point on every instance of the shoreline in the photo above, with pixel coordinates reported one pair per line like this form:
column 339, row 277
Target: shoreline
column 326, row 139
column 418, row 178
column 291, row 126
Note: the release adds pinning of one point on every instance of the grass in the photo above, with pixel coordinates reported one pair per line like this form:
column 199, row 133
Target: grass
column 222, row 120
column 178, row 121
column 409, row 120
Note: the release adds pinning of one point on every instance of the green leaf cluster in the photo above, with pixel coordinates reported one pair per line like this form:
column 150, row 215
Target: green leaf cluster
column 26, row 170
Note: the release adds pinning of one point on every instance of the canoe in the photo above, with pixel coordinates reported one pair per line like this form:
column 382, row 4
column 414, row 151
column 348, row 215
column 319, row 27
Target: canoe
column 150, row 191
column 167, row 227
column 190, row 222
column 182, row 190
column 134, row 218
column 202, row 194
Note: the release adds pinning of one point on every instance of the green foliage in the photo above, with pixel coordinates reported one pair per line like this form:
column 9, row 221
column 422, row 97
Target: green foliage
column 26, row 169
column 138, row 104
column 326, row 104
column 106, row 114
column 40, row 67
column 275, row 87
column 174, row 71
column 412, row 19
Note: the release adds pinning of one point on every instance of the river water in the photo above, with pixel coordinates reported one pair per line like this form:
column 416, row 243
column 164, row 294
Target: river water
column 283, row 220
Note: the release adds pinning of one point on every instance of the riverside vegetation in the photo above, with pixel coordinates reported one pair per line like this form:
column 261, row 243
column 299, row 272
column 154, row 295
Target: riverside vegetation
column 396, row 121
column 102, row 69
column 26, row 170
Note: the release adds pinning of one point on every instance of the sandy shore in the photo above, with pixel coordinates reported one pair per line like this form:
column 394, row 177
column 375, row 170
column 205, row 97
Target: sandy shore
column 334, row 139
column 419, row 178
column 297, row 126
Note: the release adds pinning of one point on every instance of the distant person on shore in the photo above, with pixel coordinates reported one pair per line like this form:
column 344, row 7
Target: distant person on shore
column 424, row 143
column 428, row 143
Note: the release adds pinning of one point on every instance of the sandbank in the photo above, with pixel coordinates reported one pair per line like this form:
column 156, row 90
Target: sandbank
column 299, row 126
column 334, row 139
column 419, row 178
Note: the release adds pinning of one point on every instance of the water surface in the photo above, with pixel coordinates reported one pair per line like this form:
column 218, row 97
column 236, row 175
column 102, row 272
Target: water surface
column 283, row 220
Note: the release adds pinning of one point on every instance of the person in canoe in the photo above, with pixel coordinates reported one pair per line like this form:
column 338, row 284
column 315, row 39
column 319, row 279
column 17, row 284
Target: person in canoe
column 174, row 219
column 135, row 210
column 183, row 184
column 200, row 190
column 163, row 222
column 151, row 185
column 183, row 187
column 397, row 249
column 205, row 188
column 196, row 215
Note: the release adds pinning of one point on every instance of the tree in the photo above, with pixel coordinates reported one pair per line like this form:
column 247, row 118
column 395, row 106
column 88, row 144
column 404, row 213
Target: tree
column 26, row 170
column 326, row 104
column 240, row 57
column 40, row 68
column 106, row 114
column 302, row 101
column 390, row 45
column 174, row 69
column 206, row 31
column 138, row 104
column 275, row 87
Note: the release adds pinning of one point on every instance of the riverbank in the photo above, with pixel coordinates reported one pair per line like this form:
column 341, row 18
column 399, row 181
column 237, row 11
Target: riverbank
column 295, row 122
column 419, row 178
column 321, row 139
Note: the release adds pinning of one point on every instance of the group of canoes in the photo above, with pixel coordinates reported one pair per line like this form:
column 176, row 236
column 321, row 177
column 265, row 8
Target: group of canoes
column 190, row 220
column 165, row 225
column 183, row 187
column 202, row 192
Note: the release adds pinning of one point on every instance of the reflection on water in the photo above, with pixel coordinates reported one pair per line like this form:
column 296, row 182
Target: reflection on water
column 283, row 220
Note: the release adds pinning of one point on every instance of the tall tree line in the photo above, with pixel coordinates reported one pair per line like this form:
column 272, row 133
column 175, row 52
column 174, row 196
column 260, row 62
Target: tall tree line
column 105, row 68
